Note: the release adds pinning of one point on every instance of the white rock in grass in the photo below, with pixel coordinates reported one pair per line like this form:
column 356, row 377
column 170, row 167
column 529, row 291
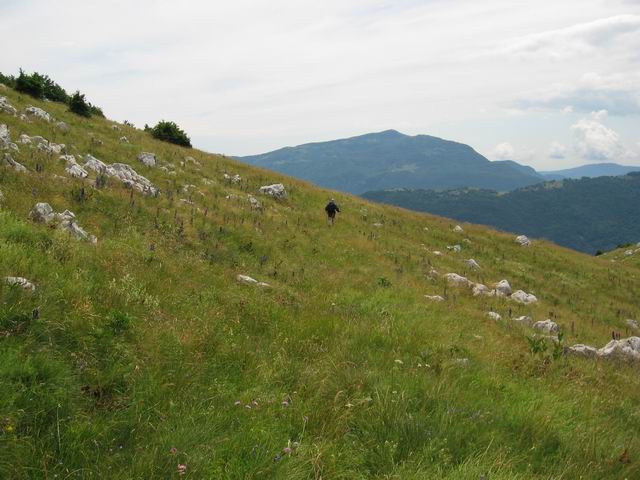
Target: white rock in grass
column 42, row 213
column 523, row 297
column 98, row 166
column 546, row 326
column 232, row 178
column 20, row 282
column 132, row 179
column 263, row 285
column 523, row 240
column 148, row 159
column 124, row 140
column 5, row 139
column 246, row 280
column 10, row 162
column 633, row 324
column 38, row 113
column 471, row 263
column 67, row 221
column 524, row 320
column 503, row 288
column 458, row 229
column 6, row 107
column 276, row 191
column 583, row 350
column 627, row 349
column 255, row 204
column 494, row 316
column 434, row 298
column 457, row 280
column 455, row 248
column 76, row 171
column 480, row 289
column 62, row 126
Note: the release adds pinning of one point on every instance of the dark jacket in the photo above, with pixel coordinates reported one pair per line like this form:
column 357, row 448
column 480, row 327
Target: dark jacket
column 331, row 208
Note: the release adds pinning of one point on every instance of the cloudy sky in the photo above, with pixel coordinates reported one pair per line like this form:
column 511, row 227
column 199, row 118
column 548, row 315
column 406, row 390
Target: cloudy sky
column 548, row 83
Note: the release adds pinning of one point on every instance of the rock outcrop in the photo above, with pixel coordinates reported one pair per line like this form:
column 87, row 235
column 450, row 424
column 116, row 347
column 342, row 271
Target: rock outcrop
column 546, row 326
column 43, row 213
column 73, row 168
column 122, row 172
column 5, row 139
column 20, row 282
column 37, row 113
column 232, row 178
column 523, row 240
column 276, row 191
column 624, row 349
column 503, row 288
column 6, row 107
column 8, row 161
column 148, row 159
column 523, row 297
column 247, row 280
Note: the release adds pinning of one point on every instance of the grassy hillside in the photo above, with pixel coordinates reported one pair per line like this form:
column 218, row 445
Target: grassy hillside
column 390, row 159
column 142, row 357
column 589, row 214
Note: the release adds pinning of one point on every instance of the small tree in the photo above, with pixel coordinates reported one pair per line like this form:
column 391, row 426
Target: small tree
column 53, row 91
column 79, row 105
column 169, row 132
column 30, row 84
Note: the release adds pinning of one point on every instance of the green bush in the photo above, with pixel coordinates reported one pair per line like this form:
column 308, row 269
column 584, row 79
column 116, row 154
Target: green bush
column 8, row 80
column 79, row 105
column 30, row 84
column 169, row 132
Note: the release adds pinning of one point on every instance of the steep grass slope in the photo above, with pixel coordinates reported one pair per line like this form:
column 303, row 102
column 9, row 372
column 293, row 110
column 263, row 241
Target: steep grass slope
column 142, row 357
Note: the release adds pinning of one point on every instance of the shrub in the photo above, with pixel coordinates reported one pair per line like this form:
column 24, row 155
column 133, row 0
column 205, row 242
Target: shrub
column 79, row 105
column 30, row 84
column 53, row 91
column 8, row 80
column 169, row 132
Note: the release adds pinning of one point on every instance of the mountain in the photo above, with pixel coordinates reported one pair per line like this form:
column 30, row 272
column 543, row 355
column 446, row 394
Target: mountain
column 590, row 214
column 391, row 159
column 143, row 354
column 592, row 170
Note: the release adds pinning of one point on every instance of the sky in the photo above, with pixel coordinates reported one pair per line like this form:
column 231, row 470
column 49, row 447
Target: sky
column 550, row 83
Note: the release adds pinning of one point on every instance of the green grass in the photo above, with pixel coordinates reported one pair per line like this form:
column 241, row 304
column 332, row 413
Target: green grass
column 145, row 342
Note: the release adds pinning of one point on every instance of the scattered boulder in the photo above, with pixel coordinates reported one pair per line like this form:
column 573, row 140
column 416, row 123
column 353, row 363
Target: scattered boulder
column 124, row 140
column 276, row 191
column 73, row 168
column 523, row 297
column 455, row 248
column 471, row 263
column 6, row 107
column 133, row 179
column 377, row 225
column 115, row 128
column 10, row 162
column 192, row 161
column 503, row 288
column 253, row 201
column 38, row 113
column 546, row 326
column 626, row 349
column 457, row 280
column 434, row 298
column 494, row 316
column 41, row 144
column 583, row 350
column 5, row 139
column 458, row 229
column 63, row 127
column 524, row 320
column 43, row 213
column 523, row 240
column 480, row 289
column 20, row 282
column 233, row 178
column 247, row 280
column 92, row 163
column 633, row 324
column 147, row 158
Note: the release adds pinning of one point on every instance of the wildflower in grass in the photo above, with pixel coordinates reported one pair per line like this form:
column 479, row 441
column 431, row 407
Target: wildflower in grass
column 173, row 450
column 285, row 403
column 287, row 450
column 254, row 403
column 182, row 469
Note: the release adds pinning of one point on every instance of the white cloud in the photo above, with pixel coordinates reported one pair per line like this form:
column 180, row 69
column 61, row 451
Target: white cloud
column 558, row 151
column 596, row 141
column 504, row 151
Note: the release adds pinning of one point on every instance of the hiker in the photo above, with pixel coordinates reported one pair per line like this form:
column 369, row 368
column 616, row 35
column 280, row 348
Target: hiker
column 331, row 210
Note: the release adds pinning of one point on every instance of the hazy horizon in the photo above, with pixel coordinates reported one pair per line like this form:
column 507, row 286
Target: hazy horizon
column 547, row 85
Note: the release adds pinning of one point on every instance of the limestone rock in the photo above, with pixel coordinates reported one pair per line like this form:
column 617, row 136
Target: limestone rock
column 147, row 158
column 124, row 139
column 480, row 289
column 455, row 248
column 434, row 298
column 503, row 288
column 633, row 324
column 524, row 320
column 458, row 229
column 523, row 240
column 232, row 178
column 133, row 179
column 42, row 213
column 457, row 280
column 10, row 162
column 73, row 168
column 471, row 263
column 583, row 350
column 92, row 163
column 5, row 139
column 247, row 280
column 523, row 297
column 38, row 113
column 546, row 326
column 276, row 191
column 626, row 349
column 67, row 221
column 6, row 107
column 20, row 282
column 62, row 126
column 494, row 316
column 253, row 201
